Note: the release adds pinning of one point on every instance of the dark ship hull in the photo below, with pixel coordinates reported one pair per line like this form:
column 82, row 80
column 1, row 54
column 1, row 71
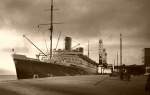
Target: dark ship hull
column 27, row 68
column 67, row 62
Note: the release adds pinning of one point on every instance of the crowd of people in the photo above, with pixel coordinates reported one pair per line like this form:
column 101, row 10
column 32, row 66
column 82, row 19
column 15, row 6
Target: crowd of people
column 124, row 74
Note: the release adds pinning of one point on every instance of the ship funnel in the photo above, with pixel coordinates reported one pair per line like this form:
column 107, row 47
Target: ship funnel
column 80, row 49
column 68, row 43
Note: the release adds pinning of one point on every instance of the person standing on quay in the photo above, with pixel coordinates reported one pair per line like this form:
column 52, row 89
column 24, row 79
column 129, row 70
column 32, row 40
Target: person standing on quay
column 147, row 86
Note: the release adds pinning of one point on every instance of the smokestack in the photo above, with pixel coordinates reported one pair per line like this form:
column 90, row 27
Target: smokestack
column 81, row 49
column 68, row 43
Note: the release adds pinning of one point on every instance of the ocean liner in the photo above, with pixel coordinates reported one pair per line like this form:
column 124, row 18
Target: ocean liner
column 65, row 62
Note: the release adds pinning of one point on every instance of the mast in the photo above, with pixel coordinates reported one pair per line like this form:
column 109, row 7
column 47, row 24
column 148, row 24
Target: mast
column 120, row 49
column 88, row 49
column 114, row 64
column 117, row 61
column 51, row 29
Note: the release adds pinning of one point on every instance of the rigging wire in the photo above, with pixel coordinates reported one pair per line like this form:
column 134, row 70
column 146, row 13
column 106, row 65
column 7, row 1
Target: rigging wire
column 43, row 38
column 46, row 45
column 58, row 40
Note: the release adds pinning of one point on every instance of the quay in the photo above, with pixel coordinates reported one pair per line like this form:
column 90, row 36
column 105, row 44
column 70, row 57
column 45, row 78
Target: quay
column 75, row 85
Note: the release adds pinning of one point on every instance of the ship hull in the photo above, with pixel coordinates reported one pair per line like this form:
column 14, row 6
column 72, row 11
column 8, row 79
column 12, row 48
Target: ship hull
column 26, row 69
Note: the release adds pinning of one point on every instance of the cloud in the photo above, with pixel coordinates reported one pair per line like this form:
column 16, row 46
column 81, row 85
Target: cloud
column 92, row 17
column 21, row 14
column 96, row 16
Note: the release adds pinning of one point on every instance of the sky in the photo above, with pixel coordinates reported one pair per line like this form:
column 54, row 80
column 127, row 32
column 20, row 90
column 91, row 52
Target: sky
column 83, row 20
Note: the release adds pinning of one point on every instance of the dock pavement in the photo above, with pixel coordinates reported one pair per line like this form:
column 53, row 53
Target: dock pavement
column 75, row 85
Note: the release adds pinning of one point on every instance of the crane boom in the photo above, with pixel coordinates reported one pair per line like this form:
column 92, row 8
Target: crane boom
column 34, row 45
column 76, row 45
